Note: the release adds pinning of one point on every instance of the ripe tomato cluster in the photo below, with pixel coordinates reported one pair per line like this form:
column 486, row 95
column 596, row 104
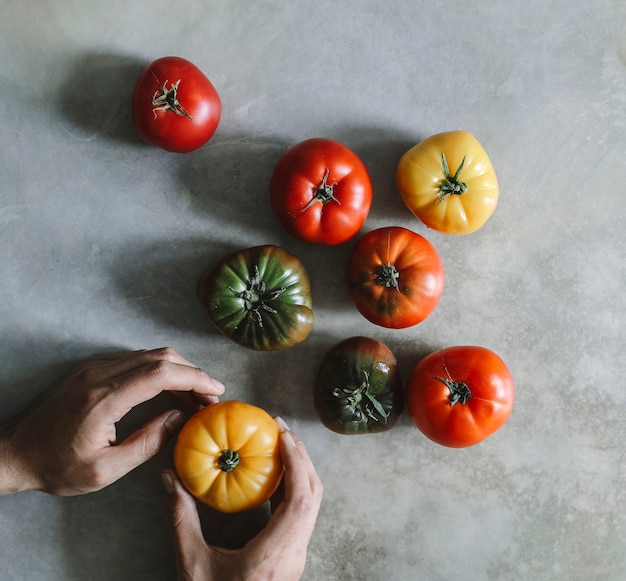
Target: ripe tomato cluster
column 321, row 192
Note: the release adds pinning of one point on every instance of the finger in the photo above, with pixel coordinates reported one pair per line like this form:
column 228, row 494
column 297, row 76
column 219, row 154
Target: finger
column 279, row 494
column 111, row 365
column 143, row 383
column 295, row 457
column 205, row 400
column 295, row 519
column 191, row 402
column 300, row 476
column 143, row 444
column 184, row 521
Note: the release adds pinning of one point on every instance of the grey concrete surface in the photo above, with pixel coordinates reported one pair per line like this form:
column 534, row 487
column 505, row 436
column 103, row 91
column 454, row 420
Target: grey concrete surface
column 102, row 239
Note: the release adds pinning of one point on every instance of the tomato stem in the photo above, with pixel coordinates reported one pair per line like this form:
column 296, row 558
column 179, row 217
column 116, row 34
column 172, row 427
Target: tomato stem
column 256, row 296
column 451, row 184
column 167, row 100
column 324, row 193
column 228, row 460
column 459, row 391
column 359, row 399
column 387, row 275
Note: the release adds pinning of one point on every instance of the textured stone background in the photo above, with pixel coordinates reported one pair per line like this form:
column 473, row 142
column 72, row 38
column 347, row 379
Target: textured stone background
column 102, row 239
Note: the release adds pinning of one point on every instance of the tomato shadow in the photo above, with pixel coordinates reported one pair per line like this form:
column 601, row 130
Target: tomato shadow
column 96, row 97
column 409, row 351
column 381, row 150
column 227, row 181
column 281, row 382
column 326, row 266
column 160, row 279
column 122, row 531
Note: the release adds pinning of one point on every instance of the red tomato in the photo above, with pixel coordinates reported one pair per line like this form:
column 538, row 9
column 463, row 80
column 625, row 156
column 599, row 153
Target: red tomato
column 395, row 277
column 321, row 192
column 459, row 396
column 175, row 106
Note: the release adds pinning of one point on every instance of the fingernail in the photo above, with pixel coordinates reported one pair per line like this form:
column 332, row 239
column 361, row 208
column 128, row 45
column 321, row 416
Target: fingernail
column 281, row 423
column 173, row 422
column 168, row 482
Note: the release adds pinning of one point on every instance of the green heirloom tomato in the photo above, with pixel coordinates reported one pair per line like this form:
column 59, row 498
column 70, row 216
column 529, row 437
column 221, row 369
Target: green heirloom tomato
column 260, row 297
column 358, row 389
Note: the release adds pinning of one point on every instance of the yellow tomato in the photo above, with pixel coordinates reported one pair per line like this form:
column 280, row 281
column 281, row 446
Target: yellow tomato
column 448, row 182
column 227, row 455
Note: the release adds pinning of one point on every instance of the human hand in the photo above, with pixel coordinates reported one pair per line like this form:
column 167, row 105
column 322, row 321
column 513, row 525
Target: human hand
column 278, row 552
column 65, row 443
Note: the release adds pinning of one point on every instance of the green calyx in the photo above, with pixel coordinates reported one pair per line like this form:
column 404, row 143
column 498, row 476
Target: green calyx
column 324, row 193
column 459, row 391
column 361, row 402
column 451, row 185
column 228, row 460
column 256, row 297
column 167, row 100
column 387, row 275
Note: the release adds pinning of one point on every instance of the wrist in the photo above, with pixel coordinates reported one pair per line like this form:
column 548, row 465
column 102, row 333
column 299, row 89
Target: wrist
column 14, row 476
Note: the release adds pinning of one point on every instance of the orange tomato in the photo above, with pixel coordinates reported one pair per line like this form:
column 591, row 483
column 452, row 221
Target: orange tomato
column 227, row 455
column 395, row 277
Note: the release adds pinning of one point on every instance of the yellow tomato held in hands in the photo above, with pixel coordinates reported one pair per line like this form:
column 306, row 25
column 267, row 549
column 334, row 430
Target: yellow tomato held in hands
column 448, row 182
column 227, row 455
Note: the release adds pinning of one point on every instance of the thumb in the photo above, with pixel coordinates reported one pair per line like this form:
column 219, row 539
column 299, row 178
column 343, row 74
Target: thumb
column 144, row 443
column 184, row 521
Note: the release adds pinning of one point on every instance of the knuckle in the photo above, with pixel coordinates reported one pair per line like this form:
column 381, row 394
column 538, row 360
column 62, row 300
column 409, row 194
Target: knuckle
column 86, row 375
column 166, row 353
column 158, row 368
